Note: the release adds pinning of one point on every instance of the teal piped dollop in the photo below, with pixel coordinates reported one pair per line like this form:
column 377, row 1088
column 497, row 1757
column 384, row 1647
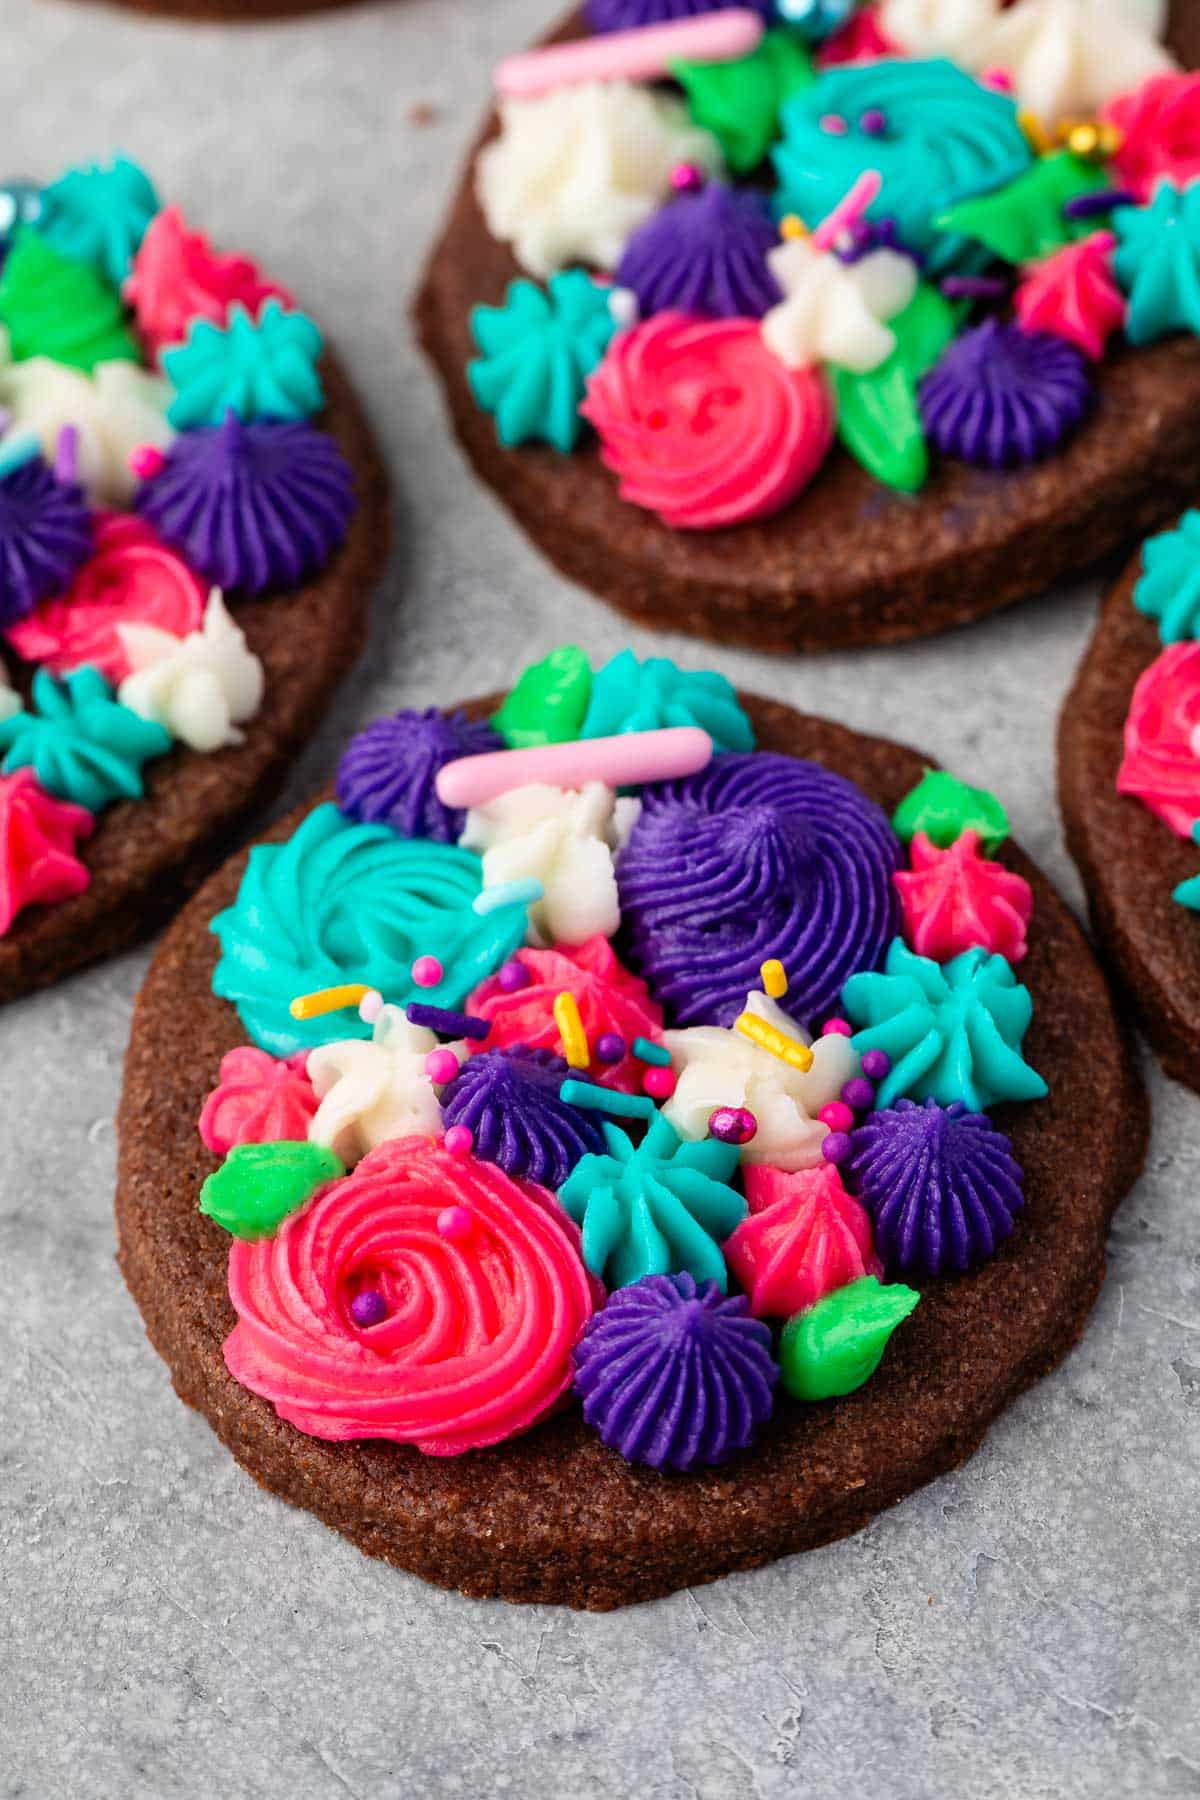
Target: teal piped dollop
column 628, row 695
column 1188, row 892
column 99, row 215
column 946, row 139
column 1168, row 588
column 953, row 1030
column 81, row 743
column 661, row 1208
column 1157, row 263
column 538, row 350
column 341, row 902
column 264, row 368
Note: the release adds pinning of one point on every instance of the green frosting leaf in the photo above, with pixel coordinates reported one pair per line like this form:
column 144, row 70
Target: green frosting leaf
column 538, row 350
column 258, row 1185
column 739, row 101
column 258, row 368
column 548, row 703
column 879, row 421
column 81, row 743
column 836, row 1345
column 1157, row 263
column 1025, row 220
column 99, row 216
column 628, row 695
column 61, row 309
column 943, row 808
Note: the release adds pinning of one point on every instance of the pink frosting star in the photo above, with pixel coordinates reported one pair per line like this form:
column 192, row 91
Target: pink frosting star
column 954, row 899
column 37, row 845
column 805, row 1236
column 258, row 1100
column 861, row 39
column 1159, row 126
column 1074, row 295
column 177, row 277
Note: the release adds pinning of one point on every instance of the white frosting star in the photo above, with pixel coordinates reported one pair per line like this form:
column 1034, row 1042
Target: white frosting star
column 833, row 311
column 565, row 839
column 1068, row 57
column 201, row 687
column 575, row 172
column 374, row 1089
column 117, row 408
column 938, row 27
column 715, row 1067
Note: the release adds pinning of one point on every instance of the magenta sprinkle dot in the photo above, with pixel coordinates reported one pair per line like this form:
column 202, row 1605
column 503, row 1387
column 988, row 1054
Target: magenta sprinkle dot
column 609, row 1047
column 859, row 1094
column 837, row 1115
column 513, row 976
column 441, row 1065
column 145, row 461
column 876, row 1064
column 837, row 1028
column 834, row 124
column 732, row 1124
column 686, row 178
column 873, row 121
column 454, row 1222
column 459, row 1140
column 368, row 1307
column 836, row 1147
column 427, row 971
column 659, row 1083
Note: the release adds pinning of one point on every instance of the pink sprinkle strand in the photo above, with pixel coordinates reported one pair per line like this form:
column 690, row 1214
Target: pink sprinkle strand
column 644, row 54
column 623, row 761
column 849, row 208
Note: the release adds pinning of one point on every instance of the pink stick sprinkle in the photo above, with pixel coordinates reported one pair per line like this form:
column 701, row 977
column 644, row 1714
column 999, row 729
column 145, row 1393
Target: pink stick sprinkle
column 624, row 761
column 644, row 54
column 850, row 207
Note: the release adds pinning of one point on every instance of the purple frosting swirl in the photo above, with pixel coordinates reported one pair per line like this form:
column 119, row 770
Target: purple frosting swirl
column 254, row 506
column 1001, row 397
column 941, row 1185
column 388, row 771
column 757, row 856
column 674, row 1374
column 509, row 1101
column 627, row 15
column 45, row 534
column 704, row 253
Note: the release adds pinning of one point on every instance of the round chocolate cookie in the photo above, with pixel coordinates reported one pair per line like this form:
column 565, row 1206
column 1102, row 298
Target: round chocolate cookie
column 1130, row 861
column 850, row 561
column 232, row 12
column 554, row 1515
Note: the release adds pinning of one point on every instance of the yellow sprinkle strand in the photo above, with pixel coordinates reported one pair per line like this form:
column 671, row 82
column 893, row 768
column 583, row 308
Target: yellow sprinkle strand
column 1039, row 138
column 773, row 979
column 327, row 1000
column 576, row 1048
column 788, row 1049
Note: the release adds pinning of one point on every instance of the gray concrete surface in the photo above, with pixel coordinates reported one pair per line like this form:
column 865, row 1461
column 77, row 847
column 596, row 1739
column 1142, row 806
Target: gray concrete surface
column 1024, row 1629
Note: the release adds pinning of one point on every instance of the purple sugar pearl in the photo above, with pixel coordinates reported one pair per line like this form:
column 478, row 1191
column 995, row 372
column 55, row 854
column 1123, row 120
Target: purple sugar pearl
column 513, row 976
column 609, row 1047
column 368, row 1307
column 836, row 1146
column 859, row 1094
column 874, row 121
column 876, row 1065
column 732, row 1124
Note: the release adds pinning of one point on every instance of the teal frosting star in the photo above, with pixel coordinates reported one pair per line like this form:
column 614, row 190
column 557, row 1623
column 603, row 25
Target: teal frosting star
column 264, row 368
column 1168, row 588
column 1188, row 892
column 628, row 695
column 81, row 743
column 538, row 350
column 953, row 1030
column 1157, row 262
column 658, row 1209
column 99, row 216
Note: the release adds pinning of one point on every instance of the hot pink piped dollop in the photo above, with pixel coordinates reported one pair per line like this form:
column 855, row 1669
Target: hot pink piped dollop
column 1161, row 765
column 177, row 277
column 1159, row 130
column 953, row 899
column 475, row 1343
column 804, row 1237
column 1074, row 295
column 37, row 846
column 703, row 425
column 259, row 1099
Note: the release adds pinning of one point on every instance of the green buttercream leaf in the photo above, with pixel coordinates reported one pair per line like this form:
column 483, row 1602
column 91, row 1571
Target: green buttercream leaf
column 943, row 808
column 628, row 695
column 99, row 216
column 1157, row 263
column 538, row 350
column 58, row 308
column 879, row 421
column 1025, row 221
column 549, row 701
column 836, row 1345
column 259, row 1185
column 80, row 742
column 258, row 368
column 739, row 101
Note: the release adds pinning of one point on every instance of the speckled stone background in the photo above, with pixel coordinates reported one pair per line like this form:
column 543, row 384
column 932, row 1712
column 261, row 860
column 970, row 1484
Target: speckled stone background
column 1027, row 1628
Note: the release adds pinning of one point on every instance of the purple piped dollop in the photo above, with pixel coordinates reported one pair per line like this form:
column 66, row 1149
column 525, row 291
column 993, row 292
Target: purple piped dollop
column 627, row 15
column 941, row 1185
column 510, row 1102
column 388, row 773
column 45, row 534
column 704, row 253
column 252, row 506
column 675, row 1375
column 1001, row 397
column 758, row 856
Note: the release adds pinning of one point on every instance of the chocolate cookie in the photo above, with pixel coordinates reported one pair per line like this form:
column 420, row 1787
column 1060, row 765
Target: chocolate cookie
column 232, row 12
column 554, row 1515
column 850, row 561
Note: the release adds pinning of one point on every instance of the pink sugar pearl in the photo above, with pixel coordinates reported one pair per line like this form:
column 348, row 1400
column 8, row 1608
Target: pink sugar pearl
column 659, row 1083
column 837, row 1115
column 837, row 1028
column 441, row 1066
column 459, row 1140
column 454, row 1223
column 427, row 971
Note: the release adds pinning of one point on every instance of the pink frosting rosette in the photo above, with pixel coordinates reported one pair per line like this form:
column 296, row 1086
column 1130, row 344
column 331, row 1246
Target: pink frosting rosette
column 1158, row 129
column 1161, row 766
column 484, row 1296
column 703, row 425
column 259, row 1099
column 953, row 899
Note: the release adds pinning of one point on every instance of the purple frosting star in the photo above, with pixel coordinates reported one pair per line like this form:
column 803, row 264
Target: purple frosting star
column 45, row 534
column 627, row 15
column 704, row 253
column 757, row 856
column 388, row 771
column 509, row 1101
column 252, row 506
column 941, row 1185
column 1001, row 397
column 674, row 1374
